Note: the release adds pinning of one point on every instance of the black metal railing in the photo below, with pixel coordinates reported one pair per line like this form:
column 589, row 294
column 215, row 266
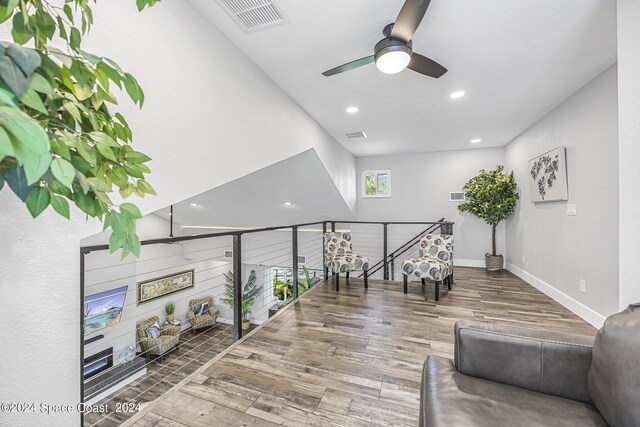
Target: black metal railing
column 386, row 263
column 388, row 259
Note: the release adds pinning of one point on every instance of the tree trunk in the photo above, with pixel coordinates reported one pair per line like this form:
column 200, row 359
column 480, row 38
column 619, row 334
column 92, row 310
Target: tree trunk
column 493, row 238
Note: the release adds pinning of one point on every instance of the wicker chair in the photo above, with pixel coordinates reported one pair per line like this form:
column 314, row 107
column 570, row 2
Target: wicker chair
column 168, row 339
column 205, row 321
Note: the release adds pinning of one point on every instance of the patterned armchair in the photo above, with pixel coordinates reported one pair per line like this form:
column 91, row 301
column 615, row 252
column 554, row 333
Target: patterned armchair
column 339, row 257
column 160, row 346
column 434, row 262
column 205, row 320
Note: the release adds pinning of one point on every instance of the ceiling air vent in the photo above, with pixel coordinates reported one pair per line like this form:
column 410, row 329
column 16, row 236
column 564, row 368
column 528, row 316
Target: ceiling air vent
column 302, row 259
column 355, row 135
column 228, row 254
column 253, row 15
column 457, row 196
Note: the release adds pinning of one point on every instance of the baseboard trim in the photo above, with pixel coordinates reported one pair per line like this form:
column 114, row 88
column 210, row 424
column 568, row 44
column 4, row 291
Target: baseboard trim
column 468, row 262
column 581, row 310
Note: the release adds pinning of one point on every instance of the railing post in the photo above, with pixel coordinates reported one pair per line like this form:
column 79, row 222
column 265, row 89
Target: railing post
column 325, row 268
column 294, row 243
column 385, row 264
column 237, row 286
column 392, row 261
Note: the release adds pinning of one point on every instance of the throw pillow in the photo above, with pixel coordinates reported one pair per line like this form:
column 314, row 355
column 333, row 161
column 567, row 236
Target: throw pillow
column 205, row 309
column 196, row 309
column 153, row 331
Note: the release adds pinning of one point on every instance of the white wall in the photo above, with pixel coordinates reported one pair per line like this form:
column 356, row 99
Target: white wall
column 420, row 192
column 558, row 249
column 629, row 147
column 210, row 116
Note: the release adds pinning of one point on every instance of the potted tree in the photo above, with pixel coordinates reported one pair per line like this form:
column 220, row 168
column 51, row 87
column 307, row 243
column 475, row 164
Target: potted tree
column 492, row 197
column 249, row 293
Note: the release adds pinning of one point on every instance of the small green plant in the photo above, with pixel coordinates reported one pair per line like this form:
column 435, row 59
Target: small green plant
column 249, row 293
column 492, row 197
column 170, row 308
column 308, row 282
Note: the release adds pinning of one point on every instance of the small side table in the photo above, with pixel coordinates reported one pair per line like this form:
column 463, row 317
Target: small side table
column 177, row 323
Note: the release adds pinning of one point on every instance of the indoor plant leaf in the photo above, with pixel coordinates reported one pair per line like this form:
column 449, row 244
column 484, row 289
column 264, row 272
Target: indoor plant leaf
column 17, row 181
column 60, row 205
column 63, row 171
column 38, row 200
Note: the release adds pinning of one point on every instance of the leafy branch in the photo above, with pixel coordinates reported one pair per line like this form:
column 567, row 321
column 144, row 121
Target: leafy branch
column 59, row 142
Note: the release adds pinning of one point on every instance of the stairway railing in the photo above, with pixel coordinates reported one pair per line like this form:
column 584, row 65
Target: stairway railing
column 390, row 258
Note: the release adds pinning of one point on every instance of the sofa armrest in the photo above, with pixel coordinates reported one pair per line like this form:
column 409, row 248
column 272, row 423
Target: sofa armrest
column 548, row 362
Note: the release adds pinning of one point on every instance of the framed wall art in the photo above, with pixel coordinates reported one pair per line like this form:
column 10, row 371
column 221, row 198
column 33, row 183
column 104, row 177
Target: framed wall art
column 155, row 288
column 548, row 176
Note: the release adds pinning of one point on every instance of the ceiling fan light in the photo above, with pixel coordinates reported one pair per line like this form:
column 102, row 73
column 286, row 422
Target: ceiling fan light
column 393, row 61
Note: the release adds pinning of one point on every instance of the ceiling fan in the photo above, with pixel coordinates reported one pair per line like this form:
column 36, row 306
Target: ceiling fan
column 394, row 52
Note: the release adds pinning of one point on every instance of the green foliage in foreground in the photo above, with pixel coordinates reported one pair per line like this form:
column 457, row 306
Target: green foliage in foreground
column 59, row 143
column 492, row 197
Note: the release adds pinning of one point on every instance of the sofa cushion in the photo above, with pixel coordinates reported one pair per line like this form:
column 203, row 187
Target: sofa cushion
column 449, row 398
column 614, row 376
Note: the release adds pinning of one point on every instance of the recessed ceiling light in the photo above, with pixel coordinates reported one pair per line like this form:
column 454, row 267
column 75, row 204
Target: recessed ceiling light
column 288, row 203
column 457, row 94
column 352, row 110
column 195, row 205
column 476, row 140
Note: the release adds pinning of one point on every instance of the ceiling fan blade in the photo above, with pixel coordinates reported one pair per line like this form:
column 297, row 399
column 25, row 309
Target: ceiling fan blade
column 409, row 19
column 349, row 66
column 428, row 67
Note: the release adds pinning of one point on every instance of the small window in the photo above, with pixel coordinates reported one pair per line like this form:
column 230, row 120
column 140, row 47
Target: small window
column 376, row 183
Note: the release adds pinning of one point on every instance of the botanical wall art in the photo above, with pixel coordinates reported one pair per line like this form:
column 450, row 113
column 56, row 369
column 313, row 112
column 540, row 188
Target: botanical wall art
column 161, row 286
column 548, row 176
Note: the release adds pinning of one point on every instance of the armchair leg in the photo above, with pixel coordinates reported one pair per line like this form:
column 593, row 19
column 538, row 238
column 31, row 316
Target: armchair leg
column 337, row 282
column 366, row 279
column 405, row 282
column 424, row 282
column 347, row 275
column 162, row 359
column 449, row 281
column 437, row 290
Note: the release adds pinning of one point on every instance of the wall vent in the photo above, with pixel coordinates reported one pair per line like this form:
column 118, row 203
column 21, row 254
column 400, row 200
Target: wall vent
column 253, row 15
column 355, row 135
column 228, row 254
column 457, row 196
column 302, row 259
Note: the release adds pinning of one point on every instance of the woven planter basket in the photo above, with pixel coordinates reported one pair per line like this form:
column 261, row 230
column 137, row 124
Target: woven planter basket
column 493, row 263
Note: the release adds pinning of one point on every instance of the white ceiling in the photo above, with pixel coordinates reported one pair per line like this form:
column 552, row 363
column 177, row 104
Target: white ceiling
column 257, row 199
column 516, row 60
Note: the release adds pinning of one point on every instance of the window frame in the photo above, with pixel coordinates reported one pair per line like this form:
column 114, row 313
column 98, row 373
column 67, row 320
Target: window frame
column 363, row 181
